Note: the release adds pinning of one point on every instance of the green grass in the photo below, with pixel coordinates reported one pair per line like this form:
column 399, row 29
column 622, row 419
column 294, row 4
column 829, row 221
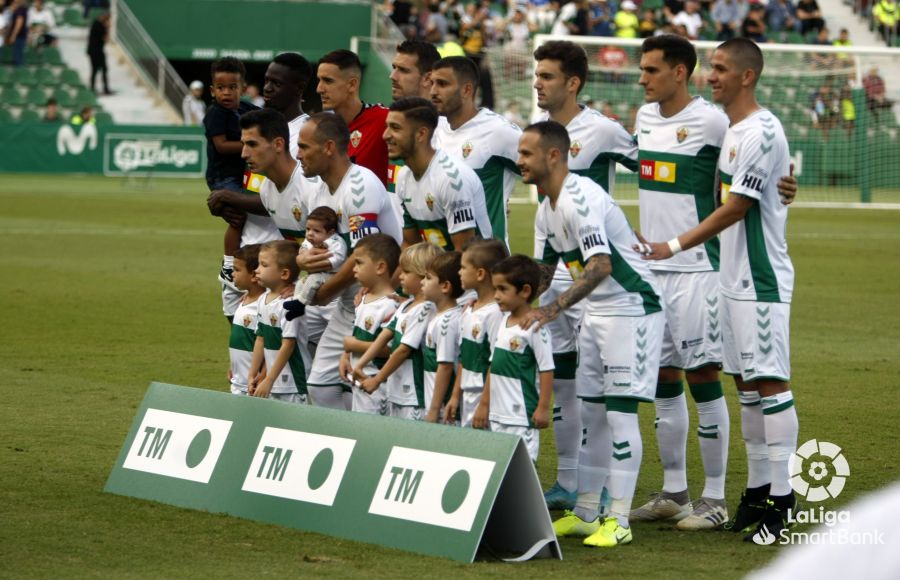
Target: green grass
column 109, row 284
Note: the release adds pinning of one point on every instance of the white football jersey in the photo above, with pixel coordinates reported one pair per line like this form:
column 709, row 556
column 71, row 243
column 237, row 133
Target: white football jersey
column 273, row 327
column 489, row 144
column 371, row 317
column 286, row 207
column 448, row 199
column 478, row 328
column 677, row 178
column 241, row 342
column 406, row 385
column 517, row 358
column 755, row 261
column 587, row 222
column 294, row 126
column 441, row 346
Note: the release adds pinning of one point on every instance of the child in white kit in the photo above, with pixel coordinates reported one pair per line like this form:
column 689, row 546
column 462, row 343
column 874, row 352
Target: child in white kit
column 321, row 232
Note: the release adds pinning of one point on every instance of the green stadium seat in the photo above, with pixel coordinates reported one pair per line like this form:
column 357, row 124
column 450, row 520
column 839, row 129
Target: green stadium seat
column 46, row 77
column 4, row 75
column 36, row 96
column 12, row 97
column 94, row 13
column 70, row 77
column 72, row 16
column 103, row 118
column 64, row 98
column 86, row 97
column 5, row 115
column 30, row 116
column 51, row 55
column 23, row 77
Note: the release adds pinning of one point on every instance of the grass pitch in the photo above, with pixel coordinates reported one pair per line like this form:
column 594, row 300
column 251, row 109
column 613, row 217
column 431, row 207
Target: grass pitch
column 110, row 284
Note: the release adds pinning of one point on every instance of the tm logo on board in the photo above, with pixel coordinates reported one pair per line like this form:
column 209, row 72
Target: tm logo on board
column 431, row 488
column 177, row 445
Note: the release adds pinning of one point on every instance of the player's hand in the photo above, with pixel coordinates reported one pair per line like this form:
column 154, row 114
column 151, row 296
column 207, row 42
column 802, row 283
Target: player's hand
column 252, row 380
column 787, row 187
column 370, row 384
column 541, row 315
column 359, row 374
column 432, row 415
column 345, row 369
column 653, row 250
column 216, row 201
column 314, row 260
column 234, row 217
column 263, row 389
column 480, row 418
column 450, row 410
column 541, row 418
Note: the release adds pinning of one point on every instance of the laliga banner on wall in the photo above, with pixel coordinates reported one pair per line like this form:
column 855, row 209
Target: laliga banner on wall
column 425, row 488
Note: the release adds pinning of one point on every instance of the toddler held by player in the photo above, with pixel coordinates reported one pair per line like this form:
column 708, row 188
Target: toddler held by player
column 321, row 232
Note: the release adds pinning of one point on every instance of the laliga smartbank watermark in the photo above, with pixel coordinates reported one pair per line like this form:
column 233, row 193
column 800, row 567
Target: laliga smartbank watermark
column 819, row 472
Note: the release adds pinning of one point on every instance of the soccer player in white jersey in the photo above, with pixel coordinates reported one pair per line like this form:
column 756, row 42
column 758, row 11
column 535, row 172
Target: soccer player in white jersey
column 679, row 138
column 619, row 342
column 443, row 201
column 756, row 283
column 597, row 144
column 286, row 78
column 361, row 202
column 484, row 140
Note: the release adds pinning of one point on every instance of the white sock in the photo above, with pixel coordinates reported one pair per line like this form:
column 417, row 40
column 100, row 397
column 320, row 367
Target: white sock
column 593, row 459
column 627, row 452
column 754, row 432
column 328, row 397
column 671, row 435
column 781, row 424
column 567, row 430
column 713, row 430
column 228, row 262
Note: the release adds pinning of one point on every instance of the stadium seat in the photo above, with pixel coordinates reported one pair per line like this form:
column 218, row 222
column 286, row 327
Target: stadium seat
column 12, row 97
column 86, row 97
column 51, row 55
column 23, row 77
column 36, row 96
column 5, row 115
column 72, row 16
column 64, row 98
column 70, row 77
column 4, row 75
column 103, row 118
column 46, row 77
column 94, row 13
column 30, row 116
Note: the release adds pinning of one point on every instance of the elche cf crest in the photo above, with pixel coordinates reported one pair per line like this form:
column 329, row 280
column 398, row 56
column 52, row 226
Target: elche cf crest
column 356, row 137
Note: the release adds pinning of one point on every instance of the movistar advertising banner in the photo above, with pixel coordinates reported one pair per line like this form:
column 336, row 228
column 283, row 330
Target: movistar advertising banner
column 425, row 488
column 117, row 150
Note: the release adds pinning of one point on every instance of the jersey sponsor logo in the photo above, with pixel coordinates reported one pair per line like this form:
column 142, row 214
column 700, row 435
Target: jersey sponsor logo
column 253, row 181
column 658, row 170
column 429, row 201
column 752, row 182
column 591, row 240
column 681, row 134
column 575, row 149
column 68, row 142
column 356, row 137
column 515, row 343
column 464, row 214
column 177, row 445
column 298, row 465
column 247, row 320
column 363, row 224
column 467, row 149
column 431, row 488
column 434, row 236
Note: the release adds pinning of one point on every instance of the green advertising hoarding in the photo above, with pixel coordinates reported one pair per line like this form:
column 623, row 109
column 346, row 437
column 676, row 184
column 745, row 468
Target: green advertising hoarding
column 425, row 488
column 116, row 150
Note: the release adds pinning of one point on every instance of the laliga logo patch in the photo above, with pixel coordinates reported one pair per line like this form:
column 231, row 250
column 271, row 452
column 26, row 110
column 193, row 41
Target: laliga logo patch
column 299, row 465
column 355, row 222
column 356, row 137
column 177, row 445
column 431, row 488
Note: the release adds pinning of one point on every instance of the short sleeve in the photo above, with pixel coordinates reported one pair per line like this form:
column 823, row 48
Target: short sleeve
column 542, row 345
column 456, row 200
column 446, row 335
column 543, row 251
column 754, row 163
column 623, row 148
column 338, row 250
column 492, row 324
column 369, row 209
column 215, row 122
column 416, row 326
column 586, row 216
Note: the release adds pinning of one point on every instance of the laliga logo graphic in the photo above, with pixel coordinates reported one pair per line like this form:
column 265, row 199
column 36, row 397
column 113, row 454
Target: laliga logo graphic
column 818, row 470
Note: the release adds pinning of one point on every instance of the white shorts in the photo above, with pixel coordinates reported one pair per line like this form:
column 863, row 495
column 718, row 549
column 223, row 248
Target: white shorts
column 235, row 390
column 374, row 404
column 756, row 339
column 295, row 398
column 619, row 356
column 529, row 435
column 409, row 412
column 231, row 298
column 563, row 330
column 467, row 406
column 316, row 322
column 693, row 334
column 324, row 372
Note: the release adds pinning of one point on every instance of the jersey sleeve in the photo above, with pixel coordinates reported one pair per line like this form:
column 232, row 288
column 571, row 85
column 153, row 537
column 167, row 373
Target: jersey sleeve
column 509, row 147
column 306, row 245
column 542, row 346
column 543, row 251
column 447, row 339
column 455, row 197
column 338, row 250
column 492, row 324
column 214, row 122
column 416, row 326
column 755, row 162
column 624, row 150
column 369, row 209
column 585, row 217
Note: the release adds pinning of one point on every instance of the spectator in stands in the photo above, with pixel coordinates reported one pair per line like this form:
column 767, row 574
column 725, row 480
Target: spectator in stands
column 825, row 109
column 601, row 18
column 193, row 107
column 780, row 14
column 583, row 23
column 848, row 110
column 876, row 96
column 518, row 31
column 809, row 16
column 51, row 115
column 648, row 25
column 435, row 24
column 671, row 8
column 843, row 59
column 885, row 14
column 85, row 117
column 626, row 20
column 727, row 16
column 97, row 38
column 88, row 4
column 473, row 36
column 690, row 18
column 754, row 25
column 565, row 19
column 17, row 30
column 42, row 22
column 823, row 59
column 512, row 113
